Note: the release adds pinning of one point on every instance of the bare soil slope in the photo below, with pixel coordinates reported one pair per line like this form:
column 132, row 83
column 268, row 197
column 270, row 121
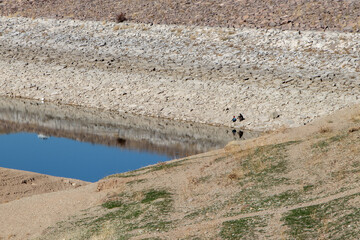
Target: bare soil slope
column 283, row 14
column 15, row 184
column 292, row 183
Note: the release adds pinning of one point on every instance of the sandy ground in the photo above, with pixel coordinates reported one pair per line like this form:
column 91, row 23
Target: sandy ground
column 32, row 202
column 17, row 184
column 31, row 215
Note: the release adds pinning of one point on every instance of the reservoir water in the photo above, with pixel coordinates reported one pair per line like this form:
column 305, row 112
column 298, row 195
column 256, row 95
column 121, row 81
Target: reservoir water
column 89, row 144
column 70, row 158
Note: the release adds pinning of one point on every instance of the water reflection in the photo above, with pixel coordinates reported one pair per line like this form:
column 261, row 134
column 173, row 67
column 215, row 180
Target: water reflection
column 69, row 158
column 125, row 131
column 238, row 133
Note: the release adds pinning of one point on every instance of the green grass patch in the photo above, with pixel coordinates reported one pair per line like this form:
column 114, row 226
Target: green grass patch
column 323, row 145
column 267, row 159
column 338, row 138
column 264, row 169
column 159, row 225
column 126, row 215
column 356, row 164
column 277, row 200
column 112, row 204
column 266, row 166
column 136, row 181
column 126, row 175
column 214, row 208
column 337, row 219
column 153, row 195
column 245, row 228
column 302, row 221
column 165, row 165
column 308, row 188
column 144, row 170
column 256, row 201
column 204, row 179
column 219, row 159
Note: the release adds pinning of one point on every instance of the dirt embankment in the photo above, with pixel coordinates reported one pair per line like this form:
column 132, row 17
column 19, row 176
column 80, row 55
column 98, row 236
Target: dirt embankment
column 16, row 184
column 281, row 14
column 293, row 183
column 31, row 202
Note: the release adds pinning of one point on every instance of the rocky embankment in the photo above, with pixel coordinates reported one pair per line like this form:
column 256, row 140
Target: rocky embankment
column 202, row 74
column 341, row 15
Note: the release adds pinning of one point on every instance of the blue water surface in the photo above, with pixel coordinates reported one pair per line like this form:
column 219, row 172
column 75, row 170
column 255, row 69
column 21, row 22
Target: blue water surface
column 69, row 158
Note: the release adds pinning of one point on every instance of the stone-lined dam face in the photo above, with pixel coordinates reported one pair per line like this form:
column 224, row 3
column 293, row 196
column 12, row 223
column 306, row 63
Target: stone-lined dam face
column 160, row 136
column 197, row 74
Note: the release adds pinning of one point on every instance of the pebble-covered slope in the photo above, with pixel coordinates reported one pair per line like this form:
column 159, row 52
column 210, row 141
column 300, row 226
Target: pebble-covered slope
column 200, row 74
column 341, row 15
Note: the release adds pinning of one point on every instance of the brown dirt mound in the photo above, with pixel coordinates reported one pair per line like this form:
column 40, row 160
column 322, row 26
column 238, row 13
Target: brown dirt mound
column 15, row 184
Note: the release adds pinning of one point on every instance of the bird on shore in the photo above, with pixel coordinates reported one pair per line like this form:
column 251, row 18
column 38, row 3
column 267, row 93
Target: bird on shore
column 241, row 117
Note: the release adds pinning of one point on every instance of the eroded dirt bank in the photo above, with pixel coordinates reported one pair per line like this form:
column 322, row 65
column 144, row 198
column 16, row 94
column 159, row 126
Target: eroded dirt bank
column 18, row 184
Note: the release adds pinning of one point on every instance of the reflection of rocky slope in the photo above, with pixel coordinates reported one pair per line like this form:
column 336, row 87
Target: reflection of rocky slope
column 127, row 131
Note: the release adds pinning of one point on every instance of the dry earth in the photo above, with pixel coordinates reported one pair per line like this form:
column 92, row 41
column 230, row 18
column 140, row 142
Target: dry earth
column 198, row 74
column 16, row 184
column 292, row 183
column 301, row 15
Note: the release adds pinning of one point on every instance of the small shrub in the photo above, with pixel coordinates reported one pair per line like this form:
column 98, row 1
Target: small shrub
column 120, row 17
column 325, row 129
column 233, row 176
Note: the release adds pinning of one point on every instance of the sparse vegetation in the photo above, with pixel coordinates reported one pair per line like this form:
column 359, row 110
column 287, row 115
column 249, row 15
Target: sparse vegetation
column 166, row 165
column 136, row 181
column 338, row 219
column 323, row 145
column 126, row 215
column 120, row 17
column 325, row 129
column 112, row 204
column 155, row 194
column 245, row 228
column 243, row 190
